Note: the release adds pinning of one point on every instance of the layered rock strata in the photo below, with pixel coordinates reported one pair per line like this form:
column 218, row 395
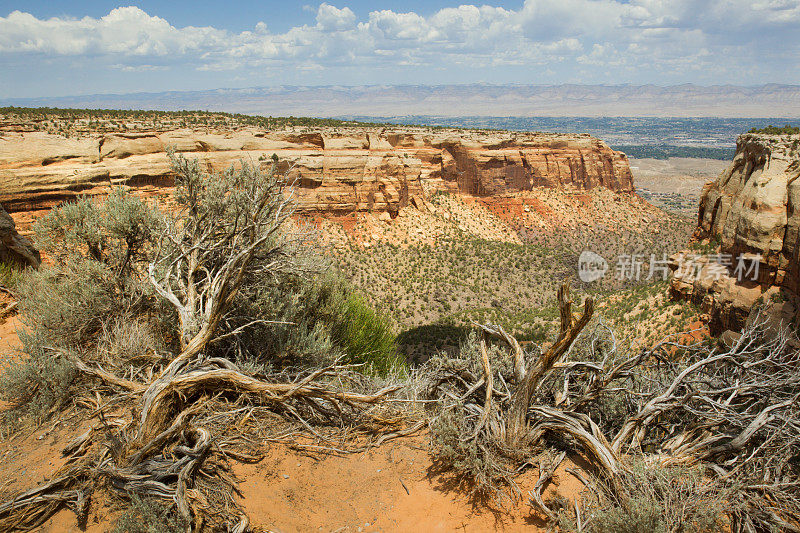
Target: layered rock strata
column 751, row 210
column 339, row 171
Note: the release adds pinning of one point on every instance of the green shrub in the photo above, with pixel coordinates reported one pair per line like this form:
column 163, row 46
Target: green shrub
column 658, row 499
column 639, row 516
column 10, row 276
column 68, row 304
column 37, row 384
column 297, row 335
column 77, row 307
column 777, row 130
column 63, row 308
column 117, row 232
column 76, row 304
column 148, row 515
column 316, row 322
column 366, row 336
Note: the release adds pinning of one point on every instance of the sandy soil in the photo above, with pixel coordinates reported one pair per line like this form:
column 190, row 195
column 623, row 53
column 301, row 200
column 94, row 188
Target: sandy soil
column 391, row 488
column 395, row 487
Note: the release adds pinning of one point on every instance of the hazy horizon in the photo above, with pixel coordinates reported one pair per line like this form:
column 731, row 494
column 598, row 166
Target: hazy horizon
column 463, row 100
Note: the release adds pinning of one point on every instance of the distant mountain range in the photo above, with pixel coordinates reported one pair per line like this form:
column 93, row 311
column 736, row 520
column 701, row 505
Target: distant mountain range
column 458, row 100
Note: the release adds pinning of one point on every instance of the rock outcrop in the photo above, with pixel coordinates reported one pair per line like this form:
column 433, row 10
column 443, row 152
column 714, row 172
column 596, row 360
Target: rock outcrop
column 14, row 248
column 751, row 210
column 339, row 170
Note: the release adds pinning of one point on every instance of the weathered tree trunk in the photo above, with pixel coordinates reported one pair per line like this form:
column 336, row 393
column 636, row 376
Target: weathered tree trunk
column 530, row 377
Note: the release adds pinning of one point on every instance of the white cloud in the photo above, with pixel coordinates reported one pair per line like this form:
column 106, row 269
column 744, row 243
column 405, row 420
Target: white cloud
column 393, row 26
column 125, row 31
column 653, row 35
column 331, row 18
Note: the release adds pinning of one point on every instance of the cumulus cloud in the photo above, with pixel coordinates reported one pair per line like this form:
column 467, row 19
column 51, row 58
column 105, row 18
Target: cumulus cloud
column 125, row 31
column 652, row 35
column 331, row 18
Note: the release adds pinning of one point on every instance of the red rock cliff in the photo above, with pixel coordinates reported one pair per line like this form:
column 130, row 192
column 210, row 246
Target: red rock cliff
column 340, row 170
column 752, row 210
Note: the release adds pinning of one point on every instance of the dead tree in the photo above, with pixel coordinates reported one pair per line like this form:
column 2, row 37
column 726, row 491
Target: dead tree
column 731, row 410
column 212, row 242
column 528, row 374
column 229, row 229
column 497, row 404
column 226, row 229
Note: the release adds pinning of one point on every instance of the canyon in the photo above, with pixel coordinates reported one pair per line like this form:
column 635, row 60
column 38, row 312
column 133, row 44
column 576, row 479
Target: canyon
column 339, row 171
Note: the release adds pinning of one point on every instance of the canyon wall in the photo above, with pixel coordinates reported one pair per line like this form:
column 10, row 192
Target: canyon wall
column 751, row 210
column 339, row 170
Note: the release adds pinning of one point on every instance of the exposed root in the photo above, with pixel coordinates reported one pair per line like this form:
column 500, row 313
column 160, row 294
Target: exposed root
column 546, row 471
column 187, row 445
column 34, row 507
column 159, row 405
column 733, row 411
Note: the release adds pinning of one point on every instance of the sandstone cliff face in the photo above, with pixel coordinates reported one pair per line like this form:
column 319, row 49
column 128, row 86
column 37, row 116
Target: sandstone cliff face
column 340, row 171
column 752, row 209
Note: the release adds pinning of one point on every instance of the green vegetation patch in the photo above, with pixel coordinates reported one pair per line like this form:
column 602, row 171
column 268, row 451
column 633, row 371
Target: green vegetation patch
column 665, row 151
column 63, row 120
column 777, row 130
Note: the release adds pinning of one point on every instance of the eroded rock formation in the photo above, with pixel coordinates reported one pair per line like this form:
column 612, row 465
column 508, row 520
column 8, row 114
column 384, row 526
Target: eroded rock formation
column 14, row 248
column 752, row 211
column 340, row 171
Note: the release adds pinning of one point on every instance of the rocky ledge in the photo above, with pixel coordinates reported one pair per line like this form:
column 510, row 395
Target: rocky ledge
column 751, row 211
column 339, row 170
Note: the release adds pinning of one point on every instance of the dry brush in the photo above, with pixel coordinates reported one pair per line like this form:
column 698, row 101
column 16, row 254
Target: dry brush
column 165, row 425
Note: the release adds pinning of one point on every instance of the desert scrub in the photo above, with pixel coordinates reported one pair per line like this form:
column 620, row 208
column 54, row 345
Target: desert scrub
column 91, row 285
column 660, row 499
column 461, row 275
column 35, row 384
column 10, row 275
column 119, row 232
column 366, row 336
column 228, row 264
column 68, row 304
column 482, row 466
column 149, row 515
column 317, row 321
column 474, row 465
column 97, row 303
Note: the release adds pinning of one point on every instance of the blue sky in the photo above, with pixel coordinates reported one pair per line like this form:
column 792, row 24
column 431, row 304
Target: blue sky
column 57, row 48
column 234, row 16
